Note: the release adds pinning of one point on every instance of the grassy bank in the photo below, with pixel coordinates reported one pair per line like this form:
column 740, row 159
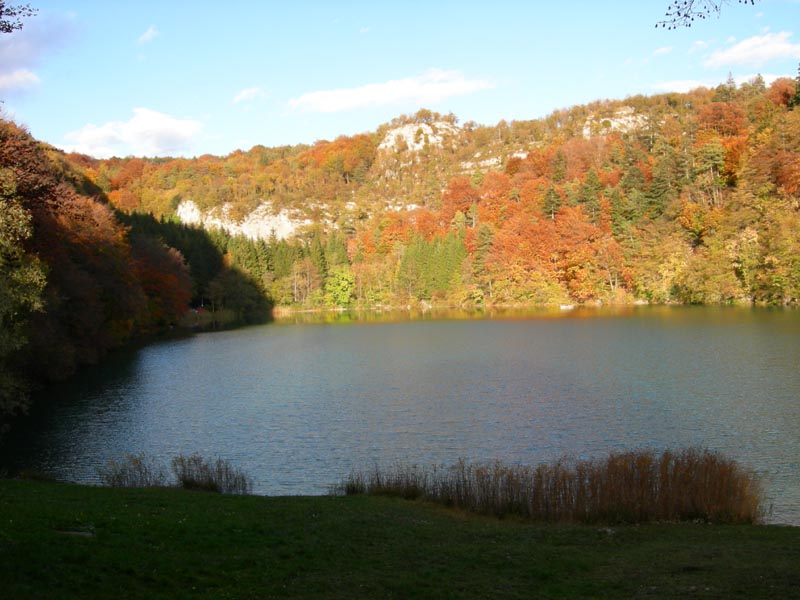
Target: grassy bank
column 65, row 541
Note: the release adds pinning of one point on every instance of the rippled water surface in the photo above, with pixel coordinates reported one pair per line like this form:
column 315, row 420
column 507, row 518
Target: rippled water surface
column 299, row 405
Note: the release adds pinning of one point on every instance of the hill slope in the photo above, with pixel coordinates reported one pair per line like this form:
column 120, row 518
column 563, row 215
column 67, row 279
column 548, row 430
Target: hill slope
column 671, row 198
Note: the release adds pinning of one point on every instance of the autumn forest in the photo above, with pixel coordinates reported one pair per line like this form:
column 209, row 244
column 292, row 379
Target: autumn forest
column 674, row 198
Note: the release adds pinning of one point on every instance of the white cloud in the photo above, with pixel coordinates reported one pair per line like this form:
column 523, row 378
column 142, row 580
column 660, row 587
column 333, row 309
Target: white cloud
column 149, row 35
column 429, row 88
column 364, row 30
column 18, row 80
column 147, row 133
column 23, row 51
column 662, row 50
column 698, row 45
column 249, row 94
column 756, row 51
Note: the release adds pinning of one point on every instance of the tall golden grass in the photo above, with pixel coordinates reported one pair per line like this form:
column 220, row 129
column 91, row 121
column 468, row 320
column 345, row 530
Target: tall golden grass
column 202, row 474
column 136, row 470
column 625, row 487
column 192, row 472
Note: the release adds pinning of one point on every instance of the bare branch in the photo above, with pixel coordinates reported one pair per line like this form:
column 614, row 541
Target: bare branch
column 683, row 13
column 11, row 16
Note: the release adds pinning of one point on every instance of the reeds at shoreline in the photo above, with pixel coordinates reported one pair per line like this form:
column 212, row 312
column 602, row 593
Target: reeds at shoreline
column 625, row 487
column 192, row 472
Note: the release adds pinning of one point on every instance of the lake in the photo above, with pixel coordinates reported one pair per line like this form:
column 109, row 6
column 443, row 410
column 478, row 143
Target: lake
column 299, row 403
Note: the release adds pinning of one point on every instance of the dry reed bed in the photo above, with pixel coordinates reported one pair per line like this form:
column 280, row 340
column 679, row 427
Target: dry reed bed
column 192, row 472
column 625, row 487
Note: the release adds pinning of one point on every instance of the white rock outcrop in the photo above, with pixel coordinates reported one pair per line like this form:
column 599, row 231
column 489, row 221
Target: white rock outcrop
column 258, row 225
column 414, row 136
column 624, row 120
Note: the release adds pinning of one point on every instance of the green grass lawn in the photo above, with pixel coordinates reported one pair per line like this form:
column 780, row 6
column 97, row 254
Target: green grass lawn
column 66, row 541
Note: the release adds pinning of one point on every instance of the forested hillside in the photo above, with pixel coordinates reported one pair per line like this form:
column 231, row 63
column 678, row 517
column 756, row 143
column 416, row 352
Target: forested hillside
column 78, row 278
column 672, row 198
column 691, row 198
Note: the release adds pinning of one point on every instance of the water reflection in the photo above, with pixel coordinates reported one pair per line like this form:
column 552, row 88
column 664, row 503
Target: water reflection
column 417, row 313
column 298, row 405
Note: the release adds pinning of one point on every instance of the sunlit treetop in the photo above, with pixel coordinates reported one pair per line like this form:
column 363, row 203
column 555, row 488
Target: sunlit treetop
column 682, row 13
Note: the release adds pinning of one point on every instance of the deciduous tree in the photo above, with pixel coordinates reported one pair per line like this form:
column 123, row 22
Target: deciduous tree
column 22, row 280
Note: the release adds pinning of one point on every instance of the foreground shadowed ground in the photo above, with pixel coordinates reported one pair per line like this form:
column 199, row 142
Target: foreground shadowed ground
column 69, row 541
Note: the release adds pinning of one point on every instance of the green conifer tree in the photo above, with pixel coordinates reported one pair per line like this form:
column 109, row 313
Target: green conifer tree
column 551, row 203
column 589, row 195
column 317, row 254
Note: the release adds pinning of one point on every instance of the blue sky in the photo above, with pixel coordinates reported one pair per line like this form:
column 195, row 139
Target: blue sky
column 185, row 78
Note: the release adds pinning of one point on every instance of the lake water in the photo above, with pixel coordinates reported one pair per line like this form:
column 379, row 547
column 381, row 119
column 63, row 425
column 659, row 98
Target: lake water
column 299, row 404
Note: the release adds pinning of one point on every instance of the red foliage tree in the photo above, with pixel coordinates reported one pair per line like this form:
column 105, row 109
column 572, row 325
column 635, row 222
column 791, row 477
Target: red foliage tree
column 781, row 91
column 494, row 194
column 726, row 118
column 458, row 196
column 426, row 223
column 165, row 280
column 131, row 170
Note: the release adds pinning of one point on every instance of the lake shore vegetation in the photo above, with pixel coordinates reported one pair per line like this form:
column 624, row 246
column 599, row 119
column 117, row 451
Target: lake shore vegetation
column 68, row 541
column 193, row 472
column 625, row 487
